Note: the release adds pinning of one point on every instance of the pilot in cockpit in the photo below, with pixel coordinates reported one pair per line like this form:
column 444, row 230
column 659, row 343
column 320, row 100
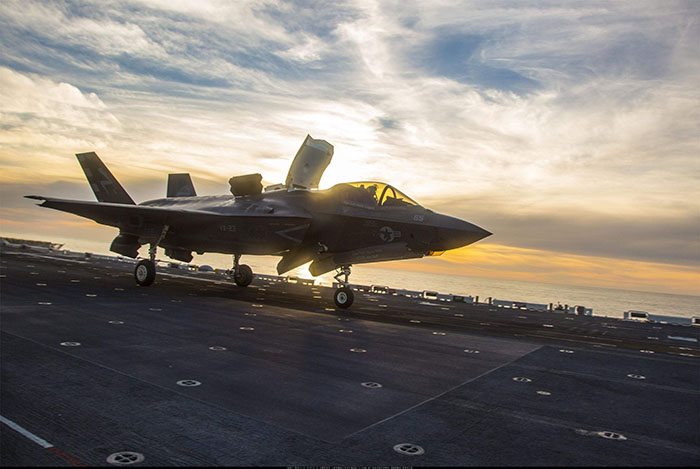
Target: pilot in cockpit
column 372, row 191
column 366, row 195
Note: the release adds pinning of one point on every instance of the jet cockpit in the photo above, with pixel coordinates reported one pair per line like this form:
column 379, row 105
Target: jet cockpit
column 374, row 193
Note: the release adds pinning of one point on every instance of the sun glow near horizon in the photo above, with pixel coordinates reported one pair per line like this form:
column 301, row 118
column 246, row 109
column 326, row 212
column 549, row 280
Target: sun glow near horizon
column 578, row 150
column 488, row 260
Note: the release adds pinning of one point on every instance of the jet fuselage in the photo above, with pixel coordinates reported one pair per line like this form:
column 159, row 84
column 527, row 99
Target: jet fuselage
column 319, row 223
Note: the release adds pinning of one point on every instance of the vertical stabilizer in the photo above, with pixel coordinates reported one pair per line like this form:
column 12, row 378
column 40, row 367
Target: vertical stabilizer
column 180, row 185
column 104, row 185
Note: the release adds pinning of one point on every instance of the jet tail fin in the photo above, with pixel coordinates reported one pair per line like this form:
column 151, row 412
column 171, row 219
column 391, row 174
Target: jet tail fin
column 180, row 185
column 103, row 183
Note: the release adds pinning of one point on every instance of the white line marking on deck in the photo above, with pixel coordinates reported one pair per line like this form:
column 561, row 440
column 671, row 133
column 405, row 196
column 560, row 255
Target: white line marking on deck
column 689, row 339
column 26, row 433
column 41, row 442
column 441, row 394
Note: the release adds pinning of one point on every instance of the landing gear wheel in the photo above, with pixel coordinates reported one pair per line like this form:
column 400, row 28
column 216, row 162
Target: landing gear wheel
column 145, row 273
column 244, row 276
column 343, row 297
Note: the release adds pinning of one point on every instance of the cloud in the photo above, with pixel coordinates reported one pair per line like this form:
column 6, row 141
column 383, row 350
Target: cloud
column 26, row 96
column 671, row 240
column 41, row 118
column 498, row 261
column 569, row 128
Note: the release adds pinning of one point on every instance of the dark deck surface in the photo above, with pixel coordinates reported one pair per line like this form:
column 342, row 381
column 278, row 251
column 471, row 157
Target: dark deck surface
column 287, row 389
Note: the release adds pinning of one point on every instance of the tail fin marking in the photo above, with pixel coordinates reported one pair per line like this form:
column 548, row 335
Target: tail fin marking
column 103, row 183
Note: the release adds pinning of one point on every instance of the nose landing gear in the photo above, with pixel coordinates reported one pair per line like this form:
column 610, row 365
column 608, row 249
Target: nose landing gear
column 343, row 296
column 145, row 272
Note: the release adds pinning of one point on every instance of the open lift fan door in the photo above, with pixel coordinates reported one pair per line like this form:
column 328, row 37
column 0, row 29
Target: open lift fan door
column 309, row 164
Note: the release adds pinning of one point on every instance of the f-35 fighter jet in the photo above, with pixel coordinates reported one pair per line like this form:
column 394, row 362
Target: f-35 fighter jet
column 351, row 223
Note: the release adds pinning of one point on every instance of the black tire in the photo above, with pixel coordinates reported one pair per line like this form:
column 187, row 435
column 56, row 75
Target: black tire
column 343, row 297
column 145, row 273
column 244, row 276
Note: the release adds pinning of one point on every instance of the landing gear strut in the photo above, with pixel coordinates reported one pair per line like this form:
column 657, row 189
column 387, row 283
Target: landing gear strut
column 242, row 274
column 343, row 296
column 145, row 272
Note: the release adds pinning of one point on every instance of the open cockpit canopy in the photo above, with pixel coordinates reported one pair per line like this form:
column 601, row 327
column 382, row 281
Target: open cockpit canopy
column 375, row 193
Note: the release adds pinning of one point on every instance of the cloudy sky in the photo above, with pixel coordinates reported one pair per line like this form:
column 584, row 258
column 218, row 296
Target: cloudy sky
column 568, row 129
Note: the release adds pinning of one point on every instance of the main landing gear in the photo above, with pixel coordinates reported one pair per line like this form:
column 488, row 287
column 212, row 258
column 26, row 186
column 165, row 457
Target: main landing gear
column 145, row 272
column 343, row 296
column 242, row 274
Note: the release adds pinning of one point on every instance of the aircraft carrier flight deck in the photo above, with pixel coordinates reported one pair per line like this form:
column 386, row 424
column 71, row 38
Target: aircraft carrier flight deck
column 194, row 370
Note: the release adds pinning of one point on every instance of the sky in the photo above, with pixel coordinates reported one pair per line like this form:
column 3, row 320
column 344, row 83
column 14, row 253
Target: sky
column 570, row 130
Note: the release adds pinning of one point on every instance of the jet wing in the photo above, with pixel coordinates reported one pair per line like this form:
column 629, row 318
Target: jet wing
column 115, row 214
column 147, row 221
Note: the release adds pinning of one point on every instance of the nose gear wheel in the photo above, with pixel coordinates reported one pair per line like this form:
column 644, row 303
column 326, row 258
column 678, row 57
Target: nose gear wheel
column 343, row 297
column 145, row 272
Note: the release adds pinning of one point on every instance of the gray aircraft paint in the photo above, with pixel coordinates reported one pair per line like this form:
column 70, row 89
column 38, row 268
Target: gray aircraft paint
column 180, row 185
column 331, row 228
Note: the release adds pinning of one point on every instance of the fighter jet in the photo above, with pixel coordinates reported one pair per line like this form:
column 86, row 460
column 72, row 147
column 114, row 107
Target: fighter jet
column 350, row 223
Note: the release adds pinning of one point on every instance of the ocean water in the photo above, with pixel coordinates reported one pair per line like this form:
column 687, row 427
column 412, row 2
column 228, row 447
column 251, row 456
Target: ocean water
column 603, row 301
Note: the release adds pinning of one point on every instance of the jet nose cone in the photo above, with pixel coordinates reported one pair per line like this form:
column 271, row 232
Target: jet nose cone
column 455, row 233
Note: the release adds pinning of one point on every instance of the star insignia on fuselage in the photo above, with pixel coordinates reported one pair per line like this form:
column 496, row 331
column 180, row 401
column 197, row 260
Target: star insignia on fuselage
column 387, row 234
